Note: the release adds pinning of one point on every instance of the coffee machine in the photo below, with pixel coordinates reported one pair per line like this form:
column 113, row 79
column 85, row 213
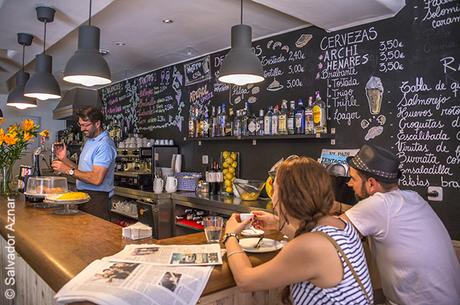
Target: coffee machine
column 136, row 167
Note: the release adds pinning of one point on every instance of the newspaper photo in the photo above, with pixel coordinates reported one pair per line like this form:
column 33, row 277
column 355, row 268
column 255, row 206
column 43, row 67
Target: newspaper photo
column 183, row 255
column 125, row 283
column 335, row 160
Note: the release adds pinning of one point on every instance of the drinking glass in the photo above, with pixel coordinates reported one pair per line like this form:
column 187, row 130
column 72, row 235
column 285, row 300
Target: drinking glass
column 213, row 228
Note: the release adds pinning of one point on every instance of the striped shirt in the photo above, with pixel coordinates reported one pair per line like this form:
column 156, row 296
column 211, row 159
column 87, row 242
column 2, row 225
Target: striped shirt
column 348, row 291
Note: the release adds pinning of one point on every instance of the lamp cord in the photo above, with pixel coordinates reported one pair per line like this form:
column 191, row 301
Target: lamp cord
column 89, row 18
column 241, row 11
column 44, row 37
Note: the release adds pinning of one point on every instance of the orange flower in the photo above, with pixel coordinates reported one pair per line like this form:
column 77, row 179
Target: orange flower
column 10, row 139
column 28, row 124
column 13, row 129
column 45, row 133
column 28, row 136
column 2, row 135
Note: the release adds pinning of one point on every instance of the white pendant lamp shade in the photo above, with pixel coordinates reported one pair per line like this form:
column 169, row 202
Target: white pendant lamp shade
column 16, row 97
column 87, row 66
column 241, row 66
column 43, row 85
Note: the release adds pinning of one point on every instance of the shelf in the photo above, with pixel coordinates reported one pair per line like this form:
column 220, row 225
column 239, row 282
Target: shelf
column 123, row 214
column 189, row 224
column 274, row 137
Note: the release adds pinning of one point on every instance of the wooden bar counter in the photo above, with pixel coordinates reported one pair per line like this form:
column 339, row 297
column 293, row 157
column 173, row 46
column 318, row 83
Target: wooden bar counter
column 51, row 249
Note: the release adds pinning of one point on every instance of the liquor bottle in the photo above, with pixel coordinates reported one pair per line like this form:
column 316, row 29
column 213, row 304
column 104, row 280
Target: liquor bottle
column 319, row 114
column 229, row 123
column 213, row 122
column 268, row 121
column 198, row 124
column 211, row 178
column 252, row 124
column 299, row 118
column 275, row 120
column 219, row 179
column 260, row 123
column 244, row 120
column 218, row 115
column 191, row 123
column 237, row 124
column 205, row 125
column 282, row 119
column 309, row 125
column 291, row 118
column 222, row 121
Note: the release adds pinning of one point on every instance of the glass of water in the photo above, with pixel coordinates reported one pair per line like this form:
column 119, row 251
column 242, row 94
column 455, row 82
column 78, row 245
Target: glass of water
column 213, row 228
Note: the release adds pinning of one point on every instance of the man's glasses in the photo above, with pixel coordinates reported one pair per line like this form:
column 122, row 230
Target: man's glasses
column 85, row 125
column 272, row 171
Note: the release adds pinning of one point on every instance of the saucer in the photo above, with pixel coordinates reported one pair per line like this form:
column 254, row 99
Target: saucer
column 267, row 245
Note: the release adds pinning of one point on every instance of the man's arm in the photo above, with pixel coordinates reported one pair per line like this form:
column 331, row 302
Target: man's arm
column 95, row 177
column 69, row 162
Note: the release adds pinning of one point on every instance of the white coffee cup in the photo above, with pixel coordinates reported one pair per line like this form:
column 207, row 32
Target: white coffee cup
column 171, row 184
column 158, row 185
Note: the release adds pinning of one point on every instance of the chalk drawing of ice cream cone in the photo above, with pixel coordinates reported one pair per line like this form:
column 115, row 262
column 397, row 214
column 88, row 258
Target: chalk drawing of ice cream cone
column 374, row 94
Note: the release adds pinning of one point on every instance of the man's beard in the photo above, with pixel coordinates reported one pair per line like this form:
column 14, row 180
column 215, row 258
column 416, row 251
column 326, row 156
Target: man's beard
column 364, row 194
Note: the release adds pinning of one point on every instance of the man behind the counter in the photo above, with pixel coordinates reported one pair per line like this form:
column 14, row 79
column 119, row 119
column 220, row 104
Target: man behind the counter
column 95, row 171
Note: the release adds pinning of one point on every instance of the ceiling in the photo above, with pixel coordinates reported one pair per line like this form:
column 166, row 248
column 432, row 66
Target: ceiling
column 199, row 27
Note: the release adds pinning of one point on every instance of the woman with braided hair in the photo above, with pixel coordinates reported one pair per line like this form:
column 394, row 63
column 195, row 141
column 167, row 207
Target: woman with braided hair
column 324, row 262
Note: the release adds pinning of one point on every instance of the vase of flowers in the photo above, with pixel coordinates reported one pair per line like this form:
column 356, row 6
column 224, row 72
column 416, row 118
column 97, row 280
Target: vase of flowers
column 13, row 142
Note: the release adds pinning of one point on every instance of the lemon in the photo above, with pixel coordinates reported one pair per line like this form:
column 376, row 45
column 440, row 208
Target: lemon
column 225, row 171
column 234, row 164
column 231, row 170
column 225, row 154
column 228, row 160
column 229, row 176
column 228, row 183
column 228, row 189
column 233, row 155
column 225, row 165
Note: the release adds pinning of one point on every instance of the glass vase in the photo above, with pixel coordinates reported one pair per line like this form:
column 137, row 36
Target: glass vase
column 5, row 189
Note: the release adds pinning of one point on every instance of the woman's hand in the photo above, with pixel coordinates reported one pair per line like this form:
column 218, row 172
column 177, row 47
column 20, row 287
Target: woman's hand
column 234, row 225
column 265, row 221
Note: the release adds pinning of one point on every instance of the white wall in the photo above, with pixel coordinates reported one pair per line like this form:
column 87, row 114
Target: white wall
column 44, row 112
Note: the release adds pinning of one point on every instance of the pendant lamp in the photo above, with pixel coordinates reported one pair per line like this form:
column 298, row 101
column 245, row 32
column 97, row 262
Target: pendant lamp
column 43, row 85
column 16, row 97
column 87, row 66
column 241, row 66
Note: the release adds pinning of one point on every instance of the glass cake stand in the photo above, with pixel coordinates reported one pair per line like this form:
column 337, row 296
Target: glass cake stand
column 68, row 206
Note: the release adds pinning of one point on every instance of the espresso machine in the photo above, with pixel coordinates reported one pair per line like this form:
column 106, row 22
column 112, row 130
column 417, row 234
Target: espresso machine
column 133, row 168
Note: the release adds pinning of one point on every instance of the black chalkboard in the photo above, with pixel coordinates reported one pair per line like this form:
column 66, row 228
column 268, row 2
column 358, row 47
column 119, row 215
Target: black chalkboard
column 395, row 83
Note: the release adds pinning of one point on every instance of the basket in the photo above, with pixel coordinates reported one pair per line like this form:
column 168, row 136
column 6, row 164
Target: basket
column 187, row 181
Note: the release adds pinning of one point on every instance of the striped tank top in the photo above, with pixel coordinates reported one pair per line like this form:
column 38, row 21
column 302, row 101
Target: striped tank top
column 347, row 292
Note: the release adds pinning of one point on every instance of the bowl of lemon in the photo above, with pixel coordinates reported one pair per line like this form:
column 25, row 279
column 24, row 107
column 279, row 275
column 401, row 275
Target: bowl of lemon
column 230, row 168
column 249, row 190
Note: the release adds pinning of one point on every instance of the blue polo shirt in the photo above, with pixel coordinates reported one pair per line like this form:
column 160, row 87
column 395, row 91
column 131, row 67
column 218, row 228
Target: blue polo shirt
column 98, row 151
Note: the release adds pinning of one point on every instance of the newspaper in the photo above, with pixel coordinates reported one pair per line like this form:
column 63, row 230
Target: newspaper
column 125, row 283
column 183, row 255
column 335, row 160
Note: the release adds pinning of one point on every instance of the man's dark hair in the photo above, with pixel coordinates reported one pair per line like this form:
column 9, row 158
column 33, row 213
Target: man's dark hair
column 92, row 114
column 385, row 185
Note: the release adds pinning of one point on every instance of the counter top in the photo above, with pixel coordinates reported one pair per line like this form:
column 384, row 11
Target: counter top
column 58, row 247
column 223, row 202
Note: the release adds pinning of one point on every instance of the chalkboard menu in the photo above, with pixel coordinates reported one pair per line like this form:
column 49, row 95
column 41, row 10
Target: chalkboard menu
column 395, row 83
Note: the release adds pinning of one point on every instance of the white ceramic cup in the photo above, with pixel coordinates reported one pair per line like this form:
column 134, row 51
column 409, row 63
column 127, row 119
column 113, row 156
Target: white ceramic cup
column 171, row 184
column 158, row 185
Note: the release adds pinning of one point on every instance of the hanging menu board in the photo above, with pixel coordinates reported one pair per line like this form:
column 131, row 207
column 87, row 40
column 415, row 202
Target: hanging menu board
column 395, row 83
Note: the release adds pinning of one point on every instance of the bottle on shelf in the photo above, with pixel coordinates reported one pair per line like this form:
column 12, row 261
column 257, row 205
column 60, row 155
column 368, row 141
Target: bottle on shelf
column 268, row 121
column 291, row 118
column 275, row 116
column 252, row 124
column 282, row 119
column 211, row 178
column 191, row 122
column 229, row 123
column 222, row 121
column 218, row 118
column 299, row 120
column 237, row 124
column 309, row 125
column 244, row 119
column 205, row 124
column 198, row 124
column 260, row 123
column 213, row 127
column 319, row 114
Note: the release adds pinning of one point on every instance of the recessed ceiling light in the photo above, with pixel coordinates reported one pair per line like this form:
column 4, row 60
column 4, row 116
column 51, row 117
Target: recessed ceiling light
column 104, row 52
column 120, row 43
column 168, row 21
